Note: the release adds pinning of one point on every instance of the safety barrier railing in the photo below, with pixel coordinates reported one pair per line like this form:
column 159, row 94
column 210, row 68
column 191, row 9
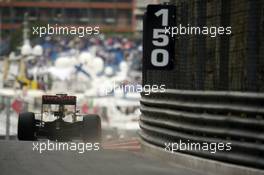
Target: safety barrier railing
column 233, row 118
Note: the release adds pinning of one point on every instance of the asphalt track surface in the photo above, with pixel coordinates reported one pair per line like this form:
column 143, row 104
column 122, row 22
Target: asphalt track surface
column 18, row 158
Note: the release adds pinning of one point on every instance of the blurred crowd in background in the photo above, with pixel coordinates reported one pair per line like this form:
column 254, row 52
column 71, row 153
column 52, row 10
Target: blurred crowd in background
column 113, row 50
column 45, row 52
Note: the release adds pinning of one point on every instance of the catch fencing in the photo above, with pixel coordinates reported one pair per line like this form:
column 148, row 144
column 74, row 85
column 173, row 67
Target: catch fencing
column 215, row 90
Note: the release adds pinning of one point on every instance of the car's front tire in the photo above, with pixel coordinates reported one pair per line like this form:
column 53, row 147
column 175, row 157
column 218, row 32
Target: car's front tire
column 26, row 126
column 91, row 128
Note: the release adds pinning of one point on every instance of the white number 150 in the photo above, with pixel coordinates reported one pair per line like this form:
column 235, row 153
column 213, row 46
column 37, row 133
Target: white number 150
column 160, row 40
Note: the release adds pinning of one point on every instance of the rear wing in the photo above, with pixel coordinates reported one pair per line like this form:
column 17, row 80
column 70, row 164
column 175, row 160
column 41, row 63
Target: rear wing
column 56, row 99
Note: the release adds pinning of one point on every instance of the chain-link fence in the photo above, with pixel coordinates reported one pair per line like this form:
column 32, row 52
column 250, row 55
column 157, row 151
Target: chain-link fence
column 222, row 65
column 226, row 62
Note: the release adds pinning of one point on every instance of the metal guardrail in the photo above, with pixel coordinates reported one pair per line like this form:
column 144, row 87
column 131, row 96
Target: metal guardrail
column 207, row 116
column 11, row 137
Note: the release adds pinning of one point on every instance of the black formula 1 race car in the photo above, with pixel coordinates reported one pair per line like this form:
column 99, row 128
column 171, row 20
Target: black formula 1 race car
column 52, row 124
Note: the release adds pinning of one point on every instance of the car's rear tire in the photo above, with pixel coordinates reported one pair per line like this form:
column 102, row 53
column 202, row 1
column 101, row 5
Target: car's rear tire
column 91, row 128
column 26, row 126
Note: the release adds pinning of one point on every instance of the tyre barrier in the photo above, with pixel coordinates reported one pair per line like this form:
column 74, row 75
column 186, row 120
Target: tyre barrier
column 207, row 117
